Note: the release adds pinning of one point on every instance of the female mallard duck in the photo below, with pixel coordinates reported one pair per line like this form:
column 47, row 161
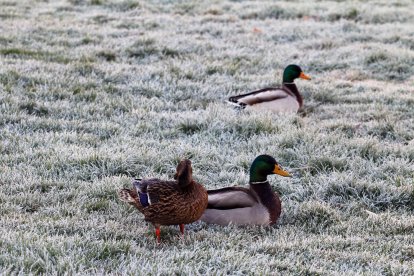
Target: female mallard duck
column 179, row 202
column 276, row 99
column 256, row 205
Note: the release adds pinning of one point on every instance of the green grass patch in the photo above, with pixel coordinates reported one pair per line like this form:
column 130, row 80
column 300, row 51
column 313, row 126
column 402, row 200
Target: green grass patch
column 32, row 108
column 30, row 54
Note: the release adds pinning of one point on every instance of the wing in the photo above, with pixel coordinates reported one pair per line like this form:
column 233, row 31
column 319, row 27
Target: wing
column 259, row 96
column 148, row 190
column 267, row 96
column 230, row 198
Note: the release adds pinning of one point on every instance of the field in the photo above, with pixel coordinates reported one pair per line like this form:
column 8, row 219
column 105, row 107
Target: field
column 95, row 92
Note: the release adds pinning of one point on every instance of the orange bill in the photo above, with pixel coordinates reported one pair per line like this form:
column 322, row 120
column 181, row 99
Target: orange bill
column 303, row 76
column 278, row 170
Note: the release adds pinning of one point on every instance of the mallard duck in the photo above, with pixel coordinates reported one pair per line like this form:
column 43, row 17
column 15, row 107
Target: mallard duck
column 162, row 202
column 256, row 205
column 276, row 99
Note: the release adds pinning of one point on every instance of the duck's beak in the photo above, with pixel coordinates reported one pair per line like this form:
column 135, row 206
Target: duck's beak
column 303, row 76
column 278, row 170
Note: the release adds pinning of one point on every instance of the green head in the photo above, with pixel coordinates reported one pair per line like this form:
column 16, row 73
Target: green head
column 264, row 165
column 293, row 72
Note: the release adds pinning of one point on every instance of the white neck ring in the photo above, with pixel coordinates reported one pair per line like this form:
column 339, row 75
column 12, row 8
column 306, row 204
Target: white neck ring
column 259, row 182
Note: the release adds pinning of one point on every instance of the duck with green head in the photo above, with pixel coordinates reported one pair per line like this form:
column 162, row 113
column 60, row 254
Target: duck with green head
column 276, row 99
column 256, row 205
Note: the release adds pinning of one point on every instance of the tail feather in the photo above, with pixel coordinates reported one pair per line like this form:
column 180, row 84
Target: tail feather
column 236, row 104
column 125, row 195
column 233, row 99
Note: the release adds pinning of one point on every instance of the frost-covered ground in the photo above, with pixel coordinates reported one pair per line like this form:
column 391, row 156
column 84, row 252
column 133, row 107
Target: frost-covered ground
column 95, row 92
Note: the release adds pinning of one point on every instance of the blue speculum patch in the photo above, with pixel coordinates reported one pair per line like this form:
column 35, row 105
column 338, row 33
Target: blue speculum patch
column 143, row 198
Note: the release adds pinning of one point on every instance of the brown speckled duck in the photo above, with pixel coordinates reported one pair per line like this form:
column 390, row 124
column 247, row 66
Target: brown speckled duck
column 162, row 202
column 256, row 205
column 283, row 99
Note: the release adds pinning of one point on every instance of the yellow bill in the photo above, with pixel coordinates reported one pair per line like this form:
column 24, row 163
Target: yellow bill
column 303, row 76
column 278, row 170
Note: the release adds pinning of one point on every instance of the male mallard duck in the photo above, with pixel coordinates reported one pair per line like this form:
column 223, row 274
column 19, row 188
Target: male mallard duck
column 162, row 202
column 276, row 99
column 256, row 205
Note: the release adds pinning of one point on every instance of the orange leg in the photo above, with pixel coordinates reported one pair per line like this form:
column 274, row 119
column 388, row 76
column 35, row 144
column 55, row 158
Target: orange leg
column 158, row 234
column 182, row 229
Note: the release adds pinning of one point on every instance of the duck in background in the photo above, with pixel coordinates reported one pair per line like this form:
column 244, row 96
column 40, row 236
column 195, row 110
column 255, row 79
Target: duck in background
column 256, row 205
column 162, row 202
column 283, row 99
